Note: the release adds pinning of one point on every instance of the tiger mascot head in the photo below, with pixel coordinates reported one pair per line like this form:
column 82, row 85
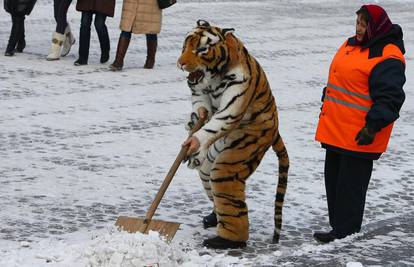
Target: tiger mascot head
column 207, row 52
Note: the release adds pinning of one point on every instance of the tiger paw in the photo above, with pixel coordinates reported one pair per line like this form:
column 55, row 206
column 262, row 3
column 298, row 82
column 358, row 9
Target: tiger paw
column 196, row 160
column 192, row 120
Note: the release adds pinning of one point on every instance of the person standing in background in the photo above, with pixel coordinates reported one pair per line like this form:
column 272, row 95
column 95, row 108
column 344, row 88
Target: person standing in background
column 18, row 9
column 360, row 103
column 101, row 9
column 62, row 38
column 139, row 17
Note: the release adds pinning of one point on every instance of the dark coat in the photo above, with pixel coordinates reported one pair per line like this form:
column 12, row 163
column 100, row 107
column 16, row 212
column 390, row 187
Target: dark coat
column 19, row 7
column 106, row 7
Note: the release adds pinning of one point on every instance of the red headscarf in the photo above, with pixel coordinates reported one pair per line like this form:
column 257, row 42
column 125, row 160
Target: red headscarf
column 378, row 23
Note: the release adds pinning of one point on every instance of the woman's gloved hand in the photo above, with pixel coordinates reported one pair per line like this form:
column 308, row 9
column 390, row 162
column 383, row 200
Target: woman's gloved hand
column 365, row 136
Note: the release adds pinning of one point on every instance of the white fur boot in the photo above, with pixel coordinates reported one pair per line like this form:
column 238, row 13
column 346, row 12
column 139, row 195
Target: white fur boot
column 57, row 41
column 69, row 41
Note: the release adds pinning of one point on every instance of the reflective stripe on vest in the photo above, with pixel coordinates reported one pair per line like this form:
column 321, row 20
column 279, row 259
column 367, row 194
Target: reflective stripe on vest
column 342, row 102
column 347, row 99
column 349, row 92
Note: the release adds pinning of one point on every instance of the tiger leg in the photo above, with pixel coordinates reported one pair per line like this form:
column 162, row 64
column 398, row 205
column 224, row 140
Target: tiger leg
column 205, row 169
column 283, row 158
column 228, row 176
column 209, row 220
column 204, row 173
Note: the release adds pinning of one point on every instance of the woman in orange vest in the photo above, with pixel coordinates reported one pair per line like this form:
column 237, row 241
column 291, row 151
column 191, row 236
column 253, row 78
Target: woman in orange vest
column 361, row 101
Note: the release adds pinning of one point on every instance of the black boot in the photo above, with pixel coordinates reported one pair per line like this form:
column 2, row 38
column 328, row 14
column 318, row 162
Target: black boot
column 221, row 243
column 210, row 220
column 9, row 52
column 104, row 56
column 80, row 62
column 84, row 40
column 14, row 37
column 324, row 237
column 20, row 46
column 21, row 43
column 103, row 36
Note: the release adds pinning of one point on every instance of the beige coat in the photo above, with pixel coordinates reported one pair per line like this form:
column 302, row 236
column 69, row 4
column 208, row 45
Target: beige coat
column 141, row 16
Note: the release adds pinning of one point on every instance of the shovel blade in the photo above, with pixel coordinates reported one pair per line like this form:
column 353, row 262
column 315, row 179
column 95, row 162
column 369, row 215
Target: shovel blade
column 133, row 225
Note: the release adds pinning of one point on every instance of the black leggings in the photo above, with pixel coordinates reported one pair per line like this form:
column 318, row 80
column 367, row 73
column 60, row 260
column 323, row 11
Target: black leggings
column 85, row 32
column 60, row 12
column 17, row 32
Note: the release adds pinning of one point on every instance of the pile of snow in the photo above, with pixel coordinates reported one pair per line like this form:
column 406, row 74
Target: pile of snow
column 124, row 249
column 112, row 249
column 354, row 264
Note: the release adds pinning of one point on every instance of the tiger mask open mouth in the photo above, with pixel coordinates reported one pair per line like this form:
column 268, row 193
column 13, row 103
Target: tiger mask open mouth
column 195, row 76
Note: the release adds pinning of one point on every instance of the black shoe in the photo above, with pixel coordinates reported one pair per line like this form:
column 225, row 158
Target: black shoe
column 104, row 57
column 9, row 53
column 80, row 62
column 324, row 237
column 221, row 243
column 210, row 220
column 20, row 46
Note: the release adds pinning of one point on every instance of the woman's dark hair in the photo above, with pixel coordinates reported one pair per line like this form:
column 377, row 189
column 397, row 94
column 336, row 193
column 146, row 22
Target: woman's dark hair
column 364, row 14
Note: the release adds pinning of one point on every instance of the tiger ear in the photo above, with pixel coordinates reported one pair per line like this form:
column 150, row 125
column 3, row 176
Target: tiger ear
column 202, row 23
column 226, row 31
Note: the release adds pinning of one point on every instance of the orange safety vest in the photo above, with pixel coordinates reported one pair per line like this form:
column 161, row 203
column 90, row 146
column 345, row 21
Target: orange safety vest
column 347, row 99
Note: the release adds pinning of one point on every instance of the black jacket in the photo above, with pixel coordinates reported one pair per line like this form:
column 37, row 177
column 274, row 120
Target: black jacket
column 19, row 7
column 385, row 86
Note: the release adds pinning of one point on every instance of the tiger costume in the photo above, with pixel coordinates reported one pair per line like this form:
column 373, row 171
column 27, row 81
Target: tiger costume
column 242, row 124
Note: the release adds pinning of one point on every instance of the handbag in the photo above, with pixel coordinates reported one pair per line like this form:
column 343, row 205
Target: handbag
column 166, row 3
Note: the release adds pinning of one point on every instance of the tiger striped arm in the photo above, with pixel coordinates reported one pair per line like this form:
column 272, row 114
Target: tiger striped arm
column 233, row 106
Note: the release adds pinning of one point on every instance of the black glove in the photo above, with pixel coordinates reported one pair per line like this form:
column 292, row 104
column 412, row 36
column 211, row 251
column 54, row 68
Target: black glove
column 365, row 136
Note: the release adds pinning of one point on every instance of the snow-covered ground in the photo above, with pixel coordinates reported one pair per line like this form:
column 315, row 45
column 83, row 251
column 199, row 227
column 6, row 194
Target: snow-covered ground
column 80, row 146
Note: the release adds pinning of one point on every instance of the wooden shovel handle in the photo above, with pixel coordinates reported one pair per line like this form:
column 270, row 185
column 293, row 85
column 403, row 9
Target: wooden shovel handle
column 167, row 180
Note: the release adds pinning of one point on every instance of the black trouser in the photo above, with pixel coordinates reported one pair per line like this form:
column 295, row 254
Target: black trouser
column 17, row 32
column 346, row 183
column 85, row 33
column 60, row 12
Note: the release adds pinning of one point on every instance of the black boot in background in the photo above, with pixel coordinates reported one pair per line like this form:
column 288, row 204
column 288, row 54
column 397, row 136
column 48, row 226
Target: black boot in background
column 14, row 36
column 84, row 39
column 103, row 36
column 21, row 42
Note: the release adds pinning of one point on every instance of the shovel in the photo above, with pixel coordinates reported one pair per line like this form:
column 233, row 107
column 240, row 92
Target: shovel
column 166, row 229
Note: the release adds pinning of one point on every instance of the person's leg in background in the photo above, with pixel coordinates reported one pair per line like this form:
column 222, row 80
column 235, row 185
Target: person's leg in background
column 84, row 38
column 69, row 37
column 62, row 31
column 21, row 42
column 152, row 41
column 121, row 50
column 103, row 36
column 14, row 35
